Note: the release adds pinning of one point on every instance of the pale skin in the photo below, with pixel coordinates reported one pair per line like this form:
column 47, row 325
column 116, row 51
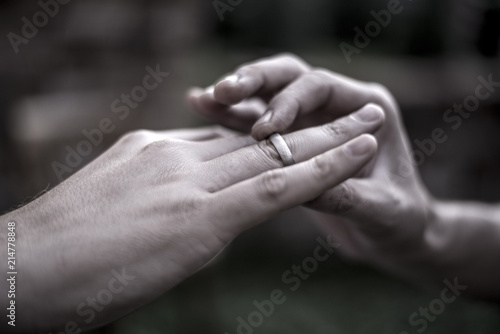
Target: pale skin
column 381, row 216
column 158, row 206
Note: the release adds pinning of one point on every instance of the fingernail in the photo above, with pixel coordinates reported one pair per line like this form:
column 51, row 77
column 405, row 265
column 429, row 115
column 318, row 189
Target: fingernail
column 265, row 118
column 368, row 114
column 360, row 146
column 232, row 78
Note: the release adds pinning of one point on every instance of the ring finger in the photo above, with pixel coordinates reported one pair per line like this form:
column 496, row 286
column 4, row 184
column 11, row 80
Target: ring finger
column 253, row 160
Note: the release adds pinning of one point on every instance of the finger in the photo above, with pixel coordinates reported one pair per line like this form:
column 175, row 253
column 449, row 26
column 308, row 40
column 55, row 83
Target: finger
column 240, row 117
column 215, row 148
column 200, row 134
column 246, row 203
column 203, row 99
column 316, row 90
column 262, row 78
column 366, row 201
column 304, row 144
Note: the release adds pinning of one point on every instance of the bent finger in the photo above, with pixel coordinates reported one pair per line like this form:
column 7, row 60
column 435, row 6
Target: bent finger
column 262, row 78
column 240, row 117
column 317, row 90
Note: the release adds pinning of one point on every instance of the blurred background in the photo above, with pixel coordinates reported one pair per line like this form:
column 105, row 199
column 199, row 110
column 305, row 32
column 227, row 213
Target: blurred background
column 59, row 80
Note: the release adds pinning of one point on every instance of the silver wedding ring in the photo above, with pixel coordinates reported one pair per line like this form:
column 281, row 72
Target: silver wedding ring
column 282, row 148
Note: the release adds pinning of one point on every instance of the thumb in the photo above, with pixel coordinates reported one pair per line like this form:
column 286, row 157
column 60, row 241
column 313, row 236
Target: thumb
column 364, row 201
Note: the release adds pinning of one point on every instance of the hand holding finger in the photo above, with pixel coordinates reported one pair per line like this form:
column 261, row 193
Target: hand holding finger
column 260, row 80
column 305, row 144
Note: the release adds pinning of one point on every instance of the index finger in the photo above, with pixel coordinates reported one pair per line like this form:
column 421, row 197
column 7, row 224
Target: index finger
column 262, row 79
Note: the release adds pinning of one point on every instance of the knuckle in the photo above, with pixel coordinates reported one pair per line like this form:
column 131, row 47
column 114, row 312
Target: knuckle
column 345, row 199
column 221, row 131
column 188, row 207
column 153, row 155
column 322, row 74
column 337, row 129
column 137, row 136
column 394, row 200
column 269, row 153
column 253, row 70
column 219, row 178
column 273, row 184
column 323, row 166
column 294, row 106
column 339, row 200
column 217, row 128
column 292, row 59
column 212, row 128
column 288, row 55
column 320, row 81
column 158, row 145
column 379, row 89
column 317, row 79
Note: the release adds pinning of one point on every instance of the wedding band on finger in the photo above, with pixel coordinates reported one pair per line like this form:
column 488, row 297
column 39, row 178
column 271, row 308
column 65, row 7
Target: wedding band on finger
column 283, row 149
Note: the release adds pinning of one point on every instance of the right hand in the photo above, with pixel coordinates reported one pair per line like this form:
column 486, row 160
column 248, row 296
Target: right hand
column 383, row 214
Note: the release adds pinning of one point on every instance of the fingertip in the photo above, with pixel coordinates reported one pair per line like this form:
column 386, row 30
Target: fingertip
column 378, row 108
column 194, row 91
column 362, row 146
column 192, row 95
column 206, row 101
column 263, row 128
column 370, row 141
column 373, row 143
column 229, row 90
column 370, row 113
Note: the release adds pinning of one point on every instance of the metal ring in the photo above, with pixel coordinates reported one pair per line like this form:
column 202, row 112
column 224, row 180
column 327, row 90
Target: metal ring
column 282, row 148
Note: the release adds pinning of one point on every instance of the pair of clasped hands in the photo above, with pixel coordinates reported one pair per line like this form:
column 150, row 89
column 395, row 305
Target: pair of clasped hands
column 159, row 205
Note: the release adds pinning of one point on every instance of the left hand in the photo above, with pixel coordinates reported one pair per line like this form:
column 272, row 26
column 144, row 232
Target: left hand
column 383, row 213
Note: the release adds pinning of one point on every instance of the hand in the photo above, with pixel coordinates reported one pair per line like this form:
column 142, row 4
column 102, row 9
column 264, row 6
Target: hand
column 383, row 213
column 157, row 207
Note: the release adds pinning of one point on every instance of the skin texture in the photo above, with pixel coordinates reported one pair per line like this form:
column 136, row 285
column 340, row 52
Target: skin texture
column 384, row 215
column 158, row 206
